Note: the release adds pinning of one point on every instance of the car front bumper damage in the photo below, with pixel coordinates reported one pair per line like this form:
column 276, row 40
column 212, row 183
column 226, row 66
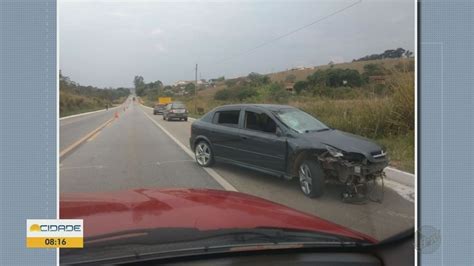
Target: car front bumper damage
column 363, row 180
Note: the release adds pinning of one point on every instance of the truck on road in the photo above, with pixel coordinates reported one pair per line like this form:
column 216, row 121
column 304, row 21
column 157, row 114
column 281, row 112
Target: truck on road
column 164, row 100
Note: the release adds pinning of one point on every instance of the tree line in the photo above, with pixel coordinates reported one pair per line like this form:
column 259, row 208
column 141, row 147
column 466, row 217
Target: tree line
column 391, row 53
column 76, row 98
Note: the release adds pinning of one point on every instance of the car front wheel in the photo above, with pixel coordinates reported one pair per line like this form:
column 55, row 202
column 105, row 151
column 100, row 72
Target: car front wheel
column 311, row 178
column 203, row 154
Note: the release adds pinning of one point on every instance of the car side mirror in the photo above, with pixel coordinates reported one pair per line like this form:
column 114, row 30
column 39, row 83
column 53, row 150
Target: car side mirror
column 278, row 132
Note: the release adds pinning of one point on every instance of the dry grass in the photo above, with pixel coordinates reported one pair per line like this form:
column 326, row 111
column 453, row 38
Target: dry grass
column 359, row 66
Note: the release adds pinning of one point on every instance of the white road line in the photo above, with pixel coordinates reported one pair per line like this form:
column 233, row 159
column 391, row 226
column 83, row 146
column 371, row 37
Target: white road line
column 405, row 191
column 88, row 113
column 82, row 167
column 400, row 171
column 219, row 179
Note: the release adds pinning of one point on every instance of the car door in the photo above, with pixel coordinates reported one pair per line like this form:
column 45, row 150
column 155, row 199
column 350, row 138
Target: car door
column 261, row 144
column 224, row 134
column 167, row 109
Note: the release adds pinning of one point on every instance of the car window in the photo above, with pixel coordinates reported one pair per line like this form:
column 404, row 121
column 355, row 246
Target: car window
column 178, row 105
column 260, row 122
column 299, row 121
column 227, row 118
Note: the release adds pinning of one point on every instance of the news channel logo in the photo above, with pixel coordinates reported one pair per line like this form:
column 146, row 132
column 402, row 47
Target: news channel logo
column 54, row 233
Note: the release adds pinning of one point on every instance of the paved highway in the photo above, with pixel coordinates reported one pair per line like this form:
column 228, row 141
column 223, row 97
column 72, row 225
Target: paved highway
column 138, row 150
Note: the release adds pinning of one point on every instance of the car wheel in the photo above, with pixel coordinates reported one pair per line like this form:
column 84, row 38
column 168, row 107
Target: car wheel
column 185, row 119
column 311, row 178
column 203, row 154
column 164, row 117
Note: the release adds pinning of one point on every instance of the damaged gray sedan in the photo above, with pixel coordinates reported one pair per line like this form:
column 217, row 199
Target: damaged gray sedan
column 286, row 142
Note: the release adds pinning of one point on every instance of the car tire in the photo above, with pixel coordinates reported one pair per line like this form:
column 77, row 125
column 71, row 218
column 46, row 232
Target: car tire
column 164, row 117
column 203, row 154
column 311, row 178
column 185, row 119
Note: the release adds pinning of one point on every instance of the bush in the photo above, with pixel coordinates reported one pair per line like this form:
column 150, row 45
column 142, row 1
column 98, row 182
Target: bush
column 230, row 83
column 300, row 86
column 277, row 93
column 223, row 95
column 243, row 93
column 374, row 70
column 335, row 77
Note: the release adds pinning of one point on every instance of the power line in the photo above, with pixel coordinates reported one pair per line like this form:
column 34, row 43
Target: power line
column 291, row 32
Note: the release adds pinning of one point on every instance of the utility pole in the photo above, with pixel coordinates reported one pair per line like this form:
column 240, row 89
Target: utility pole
column 195, row 89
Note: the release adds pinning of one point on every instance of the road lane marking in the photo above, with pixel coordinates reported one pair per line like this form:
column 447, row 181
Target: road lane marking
column 405, row 191
column 88, row 113
column 218, row 178
column 400, row 171
column 95, row 135
column 87, row 136
column 83, row 167
column 174, row 161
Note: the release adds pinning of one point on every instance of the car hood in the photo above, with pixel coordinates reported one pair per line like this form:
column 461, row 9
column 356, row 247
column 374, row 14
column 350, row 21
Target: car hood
column 201, row 209
column 344, row 141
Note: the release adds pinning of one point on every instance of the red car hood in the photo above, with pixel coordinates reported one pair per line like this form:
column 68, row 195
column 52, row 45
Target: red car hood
column 202, row 209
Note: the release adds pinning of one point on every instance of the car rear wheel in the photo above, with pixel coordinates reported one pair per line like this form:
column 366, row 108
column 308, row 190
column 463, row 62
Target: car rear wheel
column 185, row 119
column 164, row 117
column 311, row 178
column 203, row 154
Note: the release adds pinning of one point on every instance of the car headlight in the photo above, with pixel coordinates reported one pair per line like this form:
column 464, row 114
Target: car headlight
column 334, row 152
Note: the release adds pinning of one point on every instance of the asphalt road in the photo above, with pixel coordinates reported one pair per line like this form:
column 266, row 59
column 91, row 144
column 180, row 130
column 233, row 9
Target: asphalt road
column 74, row 127
column 135, row 150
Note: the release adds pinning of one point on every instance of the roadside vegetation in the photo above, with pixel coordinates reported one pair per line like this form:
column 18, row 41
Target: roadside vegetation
column 75, row 98
column 371, row 98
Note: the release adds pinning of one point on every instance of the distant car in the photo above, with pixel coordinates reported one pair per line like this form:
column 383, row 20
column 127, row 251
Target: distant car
column 284, row 141
column 175, row 110
column 159, row 108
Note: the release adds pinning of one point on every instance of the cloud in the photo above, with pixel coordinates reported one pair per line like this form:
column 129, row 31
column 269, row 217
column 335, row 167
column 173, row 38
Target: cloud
column 120, row 14
column 160, row 47
column 336, row 59
column 156, row 31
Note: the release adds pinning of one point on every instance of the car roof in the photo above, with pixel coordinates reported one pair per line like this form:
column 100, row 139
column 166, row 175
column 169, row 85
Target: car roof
column 270, row 107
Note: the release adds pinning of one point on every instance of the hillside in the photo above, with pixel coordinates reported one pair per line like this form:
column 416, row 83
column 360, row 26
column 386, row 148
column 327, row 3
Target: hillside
column 75, row 99
column 357, row 65
column 372, row 98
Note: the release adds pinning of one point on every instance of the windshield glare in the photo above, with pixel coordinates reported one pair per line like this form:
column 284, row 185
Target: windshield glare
column 300, row 121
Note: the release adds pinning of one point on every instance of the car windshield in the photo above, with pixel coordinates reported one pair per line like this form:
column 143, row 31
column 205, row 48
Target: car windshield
column 178, row 106
column 300, row 121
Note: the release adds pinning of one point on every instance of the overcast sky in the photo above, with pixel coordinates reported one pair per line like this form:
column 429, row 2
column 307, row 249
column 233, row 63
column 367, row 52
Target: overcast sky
column 107, row 43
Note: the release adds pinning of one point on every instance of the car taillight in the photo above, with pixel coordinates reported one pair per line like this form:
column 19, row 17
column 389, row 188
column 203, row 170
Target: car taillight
column 171, row 111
